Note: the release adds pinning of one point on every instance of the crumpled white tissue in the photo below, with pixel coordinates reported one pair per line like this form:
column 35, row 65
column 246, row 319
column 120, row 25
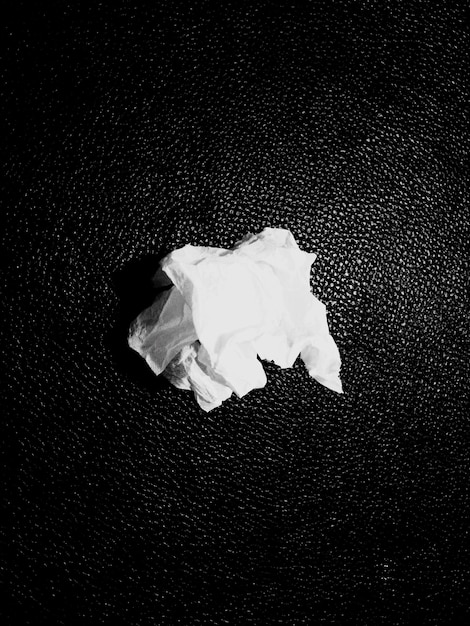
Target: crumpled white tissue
column 226, row 308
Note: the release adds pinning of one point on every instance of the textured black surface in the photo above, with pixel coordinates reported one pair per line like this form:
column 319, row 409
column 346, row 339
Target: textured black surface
column 134, row 130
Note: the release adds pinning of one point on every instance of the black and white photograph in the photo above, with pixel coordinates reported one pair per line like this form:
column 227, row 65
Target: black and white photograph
column 235, row 298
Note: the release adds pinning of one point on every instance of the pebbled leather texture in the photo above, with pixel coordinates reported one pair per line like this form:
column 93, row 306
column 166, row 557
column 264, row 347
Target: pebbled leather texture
column 134, row 128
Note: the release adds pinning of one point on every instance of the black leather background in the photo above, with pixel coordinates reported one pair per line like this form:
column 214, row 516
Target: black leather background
column 132, row 129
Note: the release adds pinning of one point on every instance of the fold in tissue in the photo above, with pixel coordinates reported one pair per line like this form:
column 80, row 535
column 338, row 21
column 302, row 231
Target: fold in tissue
column 226, row 308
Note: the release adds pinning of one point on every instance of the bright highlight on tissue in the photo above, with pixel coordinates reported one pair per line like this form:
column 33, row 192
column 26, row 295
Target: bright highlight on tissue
column 226, row 308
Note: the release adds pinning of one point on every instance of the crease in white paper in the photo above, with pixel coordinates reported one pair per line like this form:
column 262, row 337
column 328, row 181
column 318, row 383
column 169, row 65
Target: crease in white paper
column 226, row 308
